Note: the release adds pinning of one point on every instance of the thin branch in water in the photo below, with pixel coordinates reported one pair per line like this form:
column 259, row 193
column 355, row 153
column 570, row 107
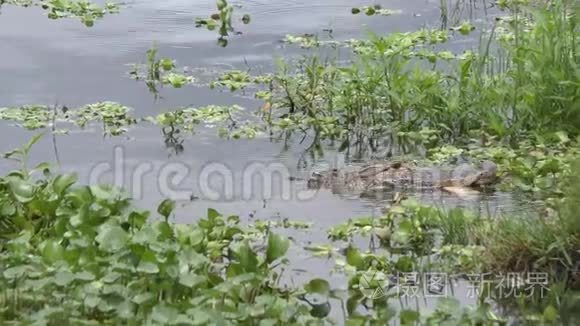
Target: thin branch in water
column 53, row 128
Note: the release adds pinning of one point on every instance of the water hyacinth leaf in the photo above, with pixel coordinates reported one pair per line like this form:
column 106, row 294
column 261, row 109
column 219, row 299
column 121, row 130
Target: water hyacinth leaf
column 52, row 251
column 320, row 310
column 405, row 264
column 111, row 237
column 190, row 280
column 247, row 258
column 63, row 182
column 164, row 314
column 166, row 207
column 403, row 232
column 277, row 247
column 84, row 276
column 7, row 209
column 63, row 278
column 213, row 214
column 16, row 272
column 164, row 230
column 464, row 29
column 167, row 64
column 92, row 300
column 142, row 298
column 13, row 154
column 319, row 286
column 320, row 250
column 35, row 139
column 222, row 4
column 450, row 305
column 200, row 316
column 30, row 117
column 409, row 317
column 550, row 314
column 43, row 167
column 354, row 258
column 138, row 219
column 148, row 267
column 22, row 190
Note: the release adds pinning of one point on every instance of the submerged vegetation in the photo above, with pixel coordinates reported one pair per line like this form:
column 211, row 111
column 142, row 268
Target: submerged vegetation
column 84, row 254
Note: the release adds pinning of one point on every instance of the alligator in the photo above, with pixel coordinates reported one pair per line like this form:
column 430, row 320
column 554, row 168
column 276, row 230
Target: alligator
column 378, row 177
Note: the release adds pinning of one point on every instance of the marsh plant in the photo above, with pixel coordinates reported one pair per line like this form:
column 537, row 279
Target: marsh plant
column 222, row 22
column 522, row 81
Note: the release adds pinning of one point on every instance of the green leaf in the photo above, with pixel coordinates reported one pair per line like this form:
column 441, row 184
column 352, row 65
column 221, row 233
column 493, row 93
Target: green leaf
column 164, row 314
column 52, row 251
column 16, row 271
column 42, row 167
column 22, row 190
column 551, row 314
column 212, row 214
column 148, row 267
column 277, row 247
column 84, row 276
column 221, row 4
column 405, row 264
column 63, row 182
column 319, row 286
column 63, row 278
column 409, row 317
column 320, row 310
column 354, row 258
column 111, row 237
column 11, row 154
column 191, row 280
column 166, row 208
column 138, row 219
column 141, row 298
column 31, row 143
column 247, row 258
column 92, row 300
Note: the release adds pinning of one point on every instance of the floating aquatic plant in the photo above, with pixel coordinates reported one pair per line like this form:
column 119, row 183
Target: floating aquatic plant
column 114, row 117
column 306, row 41
column 87, row 11
column 222, row 21
column 29, row 116
column 159, row 72
column 373, row 10
column 239, row 80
